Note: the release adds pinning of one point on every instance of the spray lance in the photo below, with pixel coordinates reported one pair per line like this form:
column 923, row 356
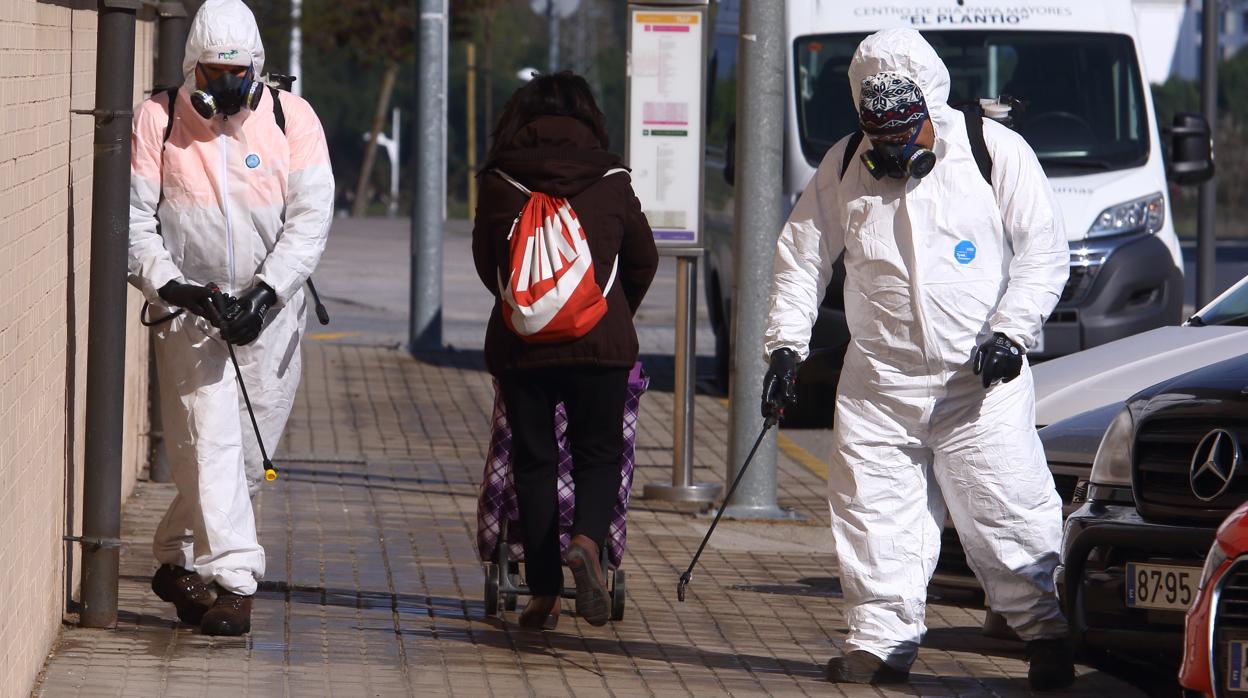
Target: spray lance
column 220, row 302
column 687, row 577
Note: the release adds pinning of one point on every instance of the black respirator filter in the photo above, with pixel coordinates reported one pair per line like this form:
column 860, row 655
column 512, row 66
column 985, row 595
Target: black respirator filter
column 227, row 94
column 899, row 161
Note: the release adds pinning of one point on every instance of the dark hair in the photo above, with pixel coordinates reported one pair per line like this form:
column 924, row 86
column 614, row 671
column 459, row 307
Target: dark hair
column 562, row 94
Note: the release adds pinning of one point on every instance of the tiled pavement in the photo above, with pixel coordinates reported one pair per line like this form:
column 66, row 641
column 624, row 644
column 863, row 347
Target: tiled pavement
column 374, row 589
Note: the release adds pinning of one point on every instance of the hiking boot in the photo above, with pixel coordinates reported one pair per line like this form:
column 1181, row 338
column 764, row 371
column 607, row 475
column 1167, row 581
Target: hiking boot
column 229, row 615
column 190, row 595
column 863, row 667
column 593, row 603
column 1052, row 664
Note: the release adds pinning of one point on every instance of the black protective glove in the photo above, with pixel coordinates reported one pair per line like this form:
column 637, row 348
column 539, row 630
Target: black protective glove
column 780, row 383
column 998, row 359
column 193, row 297
column 245, row 317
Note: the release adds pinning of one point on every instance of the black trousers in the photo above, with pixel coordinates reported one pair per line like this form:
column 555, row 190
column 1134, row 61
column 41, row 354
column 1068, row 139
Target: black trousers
column 594, row 399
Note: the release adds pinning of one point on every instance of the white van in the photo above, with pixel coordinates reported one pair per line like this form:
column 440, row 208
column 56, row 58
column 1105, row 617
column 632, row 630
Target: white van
column 1088, row 114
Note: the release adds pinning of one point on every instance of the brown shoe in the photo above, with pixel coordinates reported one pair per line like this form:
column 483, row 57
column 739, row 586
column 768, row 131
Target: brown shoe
column 230, row 615
column 540, row 613
column 190, row 595
column 593, row 603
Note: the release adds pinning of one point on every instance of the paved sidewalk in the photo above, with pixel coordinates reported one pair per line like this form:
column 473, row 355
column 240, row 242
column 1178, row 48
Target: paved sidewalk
column 374, row 589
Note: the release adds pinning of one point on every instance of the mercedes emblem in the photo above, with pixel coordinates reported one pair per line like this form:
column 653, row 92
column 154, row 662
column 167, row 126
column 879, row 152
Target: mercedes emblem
column 1213, row 465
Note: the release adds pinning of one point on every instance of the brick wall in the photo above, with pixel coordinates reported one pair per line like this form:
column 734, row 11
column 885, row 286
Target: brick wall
column 47, row 67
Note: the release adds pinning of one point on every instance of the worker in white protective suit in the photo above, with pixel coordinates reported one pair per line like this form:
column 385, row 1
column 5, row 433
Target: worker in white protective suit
column 947, row 277
column 225, row 198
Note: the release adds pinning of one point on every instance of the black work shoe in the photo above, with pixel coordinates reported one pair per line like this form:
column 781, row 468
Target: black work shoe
column 190, row 595
column 1052, row 664
column 230, row 615
column 863, row 667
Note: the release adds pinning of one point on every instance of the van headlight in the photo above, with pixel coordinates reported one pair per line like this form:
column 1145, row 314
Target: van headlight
column 1144, row 215
column 1112, row 465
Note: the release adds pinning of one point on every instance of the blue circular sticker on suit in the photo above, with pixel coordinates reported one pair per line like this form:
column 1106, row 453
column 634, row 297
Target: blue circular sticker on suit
column 964, row 252
column 253, row 161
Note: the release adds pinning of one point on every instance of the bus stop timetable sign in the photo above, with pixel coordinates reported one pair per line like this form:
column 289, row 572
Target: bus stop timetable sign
column 665, row 120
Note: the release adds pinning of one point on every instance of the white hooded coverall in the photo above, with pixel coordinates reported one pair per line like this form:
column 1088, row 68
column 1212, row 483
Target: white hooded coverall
column 933, row 268
column 232, row 202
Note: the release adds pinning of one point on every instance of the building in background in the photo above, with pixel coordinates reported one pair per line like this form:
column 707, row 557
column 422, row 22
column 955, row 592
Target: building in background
column 47, row 68
column 1170, row 33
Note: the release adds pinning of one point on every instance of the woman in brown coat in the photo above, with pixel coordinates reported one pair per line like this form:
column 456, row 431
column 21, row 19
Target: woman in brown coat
column 551, row 139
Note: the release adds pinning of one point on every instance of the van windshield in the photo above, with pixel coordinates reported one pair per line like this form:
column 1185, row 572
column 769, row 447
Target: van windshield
column 1084, row 104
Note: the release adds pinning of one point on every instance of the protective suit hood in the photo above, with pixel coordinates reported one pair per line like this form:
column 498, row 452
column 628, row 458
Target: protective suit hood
column 906, row 52
column 223, row 31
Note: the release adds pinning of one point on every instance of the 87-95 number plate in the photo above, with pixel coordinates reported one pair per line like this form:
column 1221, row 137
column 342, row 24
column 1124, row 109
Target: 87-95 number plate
column 1163, row 587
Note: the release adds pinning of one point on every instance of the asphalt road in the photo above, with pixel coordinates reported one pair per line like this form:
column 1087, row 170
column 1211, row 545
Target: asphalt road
column 1232, row 265
column 366, row 267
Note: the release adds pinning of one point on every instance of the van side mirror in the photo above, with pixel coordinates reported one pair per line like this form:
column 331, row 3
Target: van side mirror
column 730, row 155
column 1191, row 149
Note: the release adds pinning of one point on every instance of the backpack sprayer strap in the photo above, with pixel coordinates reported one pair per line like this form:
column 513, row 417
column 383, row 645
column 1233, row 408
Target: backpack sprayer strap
column 147, row 322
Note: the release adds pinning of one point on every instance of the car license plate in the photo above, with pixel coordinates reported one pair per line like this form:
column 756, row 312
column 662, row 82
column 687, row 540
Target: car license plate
column 1235, row 671
column 1163, row 587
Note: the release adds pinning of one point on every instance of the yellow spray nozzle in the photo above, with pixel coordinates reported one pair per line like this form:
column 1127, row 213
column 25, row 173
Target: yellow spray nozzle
column 270, row 475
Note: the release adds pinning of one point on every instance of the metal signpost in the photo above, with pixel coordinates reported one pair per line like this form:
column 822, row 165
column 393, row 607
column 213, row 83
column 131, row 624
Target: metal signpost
column 429, row 195
column 759, row 215
column 554, row 11
column 1206, row 235
column 667, row 43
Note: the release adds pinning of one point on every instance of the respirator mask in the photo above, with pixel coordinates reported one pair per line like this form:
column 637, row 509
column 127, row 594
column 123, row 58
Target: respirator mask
column 227, row 93
column 899, row 160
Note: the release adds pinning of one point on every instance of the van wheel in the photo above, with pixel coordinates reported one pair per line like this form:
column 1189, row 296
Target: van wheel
column 723, row 359
column 721, row 325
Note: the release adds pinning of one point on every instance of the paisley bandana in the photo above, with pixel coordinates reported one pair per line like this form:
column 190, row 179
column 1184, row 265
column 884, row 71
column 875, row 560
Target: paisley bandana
column 890, row 103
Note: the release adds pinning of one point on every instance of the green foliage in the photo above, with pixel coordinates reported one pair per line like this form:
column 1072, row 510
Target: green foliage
column 519, row 41
column 1233, row 87
column 1174, row 96
column 1230, row 145
column 367, row 31
column 346, row 41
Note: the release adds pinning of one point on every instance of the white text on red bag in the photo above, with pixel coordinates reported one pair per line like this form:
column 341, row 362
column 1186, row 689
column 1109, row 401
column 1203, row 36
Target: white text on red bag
column 550, row 293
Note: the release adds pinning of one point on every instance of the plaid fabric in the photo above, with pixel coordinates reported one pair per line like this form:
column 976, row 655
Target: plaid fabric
column 497, row 501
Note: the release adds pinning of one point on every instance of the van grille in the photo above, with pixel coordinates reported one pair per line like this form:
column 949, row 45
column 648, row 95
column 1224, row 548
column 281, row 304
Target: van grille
column 1233, row 603
column 1163, row 457
column 1078, row 283
column 1230, row 619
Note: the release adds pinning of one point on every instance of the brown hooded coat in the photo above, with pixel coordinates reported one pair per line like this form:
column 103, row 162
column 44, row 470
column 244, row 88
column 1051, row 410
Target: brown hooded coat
column 560, row 156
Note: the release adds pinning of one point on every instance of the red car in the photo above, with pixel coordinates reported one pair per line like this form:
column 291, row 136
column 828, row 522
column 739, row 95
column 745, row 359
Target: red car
column 1215, row 644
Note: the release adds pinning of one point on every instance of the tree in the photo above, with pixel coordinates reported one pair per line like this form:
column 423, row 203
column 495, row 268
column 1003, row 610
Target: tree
column 372, row 33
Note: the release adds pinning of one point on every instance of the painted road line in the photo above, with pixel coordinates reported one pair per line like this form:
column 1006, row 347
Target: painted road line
column 790, row 448
column 330, row 336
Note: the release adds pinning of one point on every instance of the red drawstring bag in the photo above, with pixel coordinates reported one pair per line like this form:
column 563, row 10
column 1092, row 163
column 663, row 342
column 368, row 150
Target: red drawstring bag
column 550, row 293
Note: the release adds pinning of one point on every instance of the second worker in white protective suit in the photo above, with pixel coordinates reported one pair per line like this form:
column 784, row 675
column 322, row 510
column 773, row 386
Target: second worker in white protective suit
column 948, row 282
column 228, row 188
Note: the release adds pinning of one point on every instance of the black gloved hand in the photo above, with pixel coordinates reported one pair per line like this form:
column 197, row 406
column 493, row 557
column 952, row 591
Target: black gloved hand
column 780, row 383
column 998, row 359
column 245, row 317
column 193, row 297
